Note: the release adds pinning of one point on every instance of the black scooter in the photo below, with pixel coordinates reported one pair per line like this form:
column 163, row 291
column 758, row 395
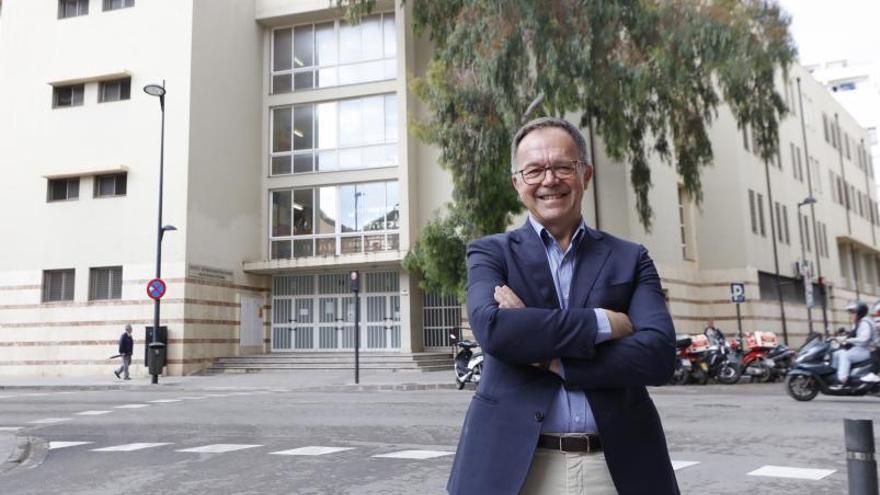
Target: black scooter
column 813, row 373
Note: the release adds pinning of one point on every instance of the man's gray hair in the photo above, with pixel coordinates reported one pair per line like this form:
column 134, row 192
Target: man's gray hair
column 542, row 122
column 127, row 327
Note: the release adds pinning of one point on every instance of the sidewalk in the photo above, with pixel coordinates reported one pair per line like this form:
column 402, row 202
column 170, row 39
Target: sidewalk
column 295, row 380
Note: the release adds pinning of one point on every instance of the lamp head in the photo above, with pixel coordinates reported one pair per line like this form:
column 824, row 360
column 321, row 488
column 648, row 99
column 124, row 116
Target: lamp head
column 154, row 90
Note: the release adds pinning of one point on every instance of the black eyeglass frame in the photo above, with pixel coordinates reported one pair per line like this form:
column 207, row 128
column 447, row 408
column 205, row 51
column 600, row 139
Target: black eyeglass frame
column 522, row 175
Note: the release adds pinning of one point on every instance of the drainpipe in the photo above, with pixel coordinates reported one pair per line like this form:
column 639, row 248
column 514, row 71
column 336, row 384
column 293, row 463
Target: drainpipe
column 773, row 228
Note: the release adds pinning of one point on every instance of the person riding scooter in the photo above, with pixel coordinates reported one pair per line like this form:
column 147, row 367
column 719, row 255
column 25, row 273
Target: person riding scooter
column 859, row 340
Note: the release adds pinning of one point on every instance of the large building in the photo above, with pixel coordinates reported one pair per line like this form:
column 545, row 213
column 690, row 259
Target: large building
column 288, row 163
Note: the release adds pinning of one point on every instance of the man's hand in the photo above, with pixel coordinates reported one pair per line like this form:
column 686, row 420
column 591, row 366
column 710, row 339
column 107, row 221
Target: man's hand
column 620, row 325
column 506, row 298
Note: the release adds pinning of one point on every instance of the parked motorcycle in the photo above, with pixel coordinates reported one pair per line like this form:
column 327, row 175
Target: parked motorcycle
column 813, row 372
column 683, row 363
column 722, row 363
column 468, row 364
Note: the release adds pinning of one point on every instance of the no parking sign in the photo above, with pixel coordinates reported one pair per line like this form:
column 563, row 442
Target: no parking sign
column 156, row 289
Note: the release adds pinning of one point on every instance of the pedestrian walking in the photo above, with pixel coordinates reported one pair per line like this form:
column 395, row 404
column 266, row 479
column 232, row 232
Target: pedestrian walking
column 126, row 348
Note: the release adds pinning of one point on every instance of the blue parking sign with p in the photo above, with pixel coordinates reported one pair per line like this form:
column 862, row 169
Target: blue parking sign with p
column 737, row 292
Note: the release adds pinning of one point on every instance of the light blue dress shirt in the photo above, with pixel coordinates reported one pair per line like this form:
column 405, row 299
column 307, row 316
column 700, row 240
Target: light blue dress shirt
column 570, row 411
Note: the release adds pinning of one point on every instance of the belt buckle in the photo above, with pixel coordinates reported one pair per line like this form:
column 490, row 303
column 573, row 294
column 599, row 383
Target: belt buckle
column 561, row 447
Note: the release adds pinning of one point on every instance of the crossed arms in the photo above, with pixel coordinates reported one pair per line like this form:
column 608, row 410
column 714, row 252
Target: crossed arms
column 642, row 354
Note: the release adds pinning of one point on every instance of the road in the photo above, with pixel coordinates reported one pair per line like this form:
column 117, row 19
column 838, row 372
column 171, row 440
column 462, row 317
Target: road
column 259, row 441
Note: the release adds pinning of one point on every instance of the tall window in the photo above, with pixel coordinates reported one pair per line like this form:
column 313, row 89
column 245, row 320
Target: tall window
column 825, row 127
column 685, row 224
column 334, row 220
column 779, row 233
column 110, row 185
column 58, row 285
column 761, row 214
column 115, row 90
column 334, row 54
column 752, row 213
column 336, row 135
column 67, row 96
column 785, row 224
column 105, row 283
column 117, row 4
column 63, row 189
column 72, row 8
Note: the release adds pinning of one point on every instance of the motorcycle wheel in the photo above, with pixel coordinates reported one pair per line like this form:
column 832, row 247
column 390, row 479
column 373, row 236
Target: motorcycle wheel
column 680, row 377
column 801, row 387
column 762, row 376
column 699, row 377
column 729, row 374
column 478, row 372
column 459, row 383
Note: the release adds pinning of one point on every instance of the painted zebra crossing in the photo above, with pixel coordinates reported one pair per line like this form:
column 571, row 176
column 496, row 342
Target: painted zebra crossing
column 802, row 473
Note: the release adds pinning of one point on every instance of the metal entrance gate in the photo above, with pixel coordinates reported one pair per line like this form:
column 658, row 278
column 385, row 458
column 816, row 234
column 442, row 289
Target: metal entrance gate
column 316, row 312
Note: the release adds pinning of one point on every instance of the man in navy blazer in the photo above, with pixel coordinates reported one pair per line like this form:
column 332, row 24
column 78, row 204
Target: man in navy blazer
column 573, row 325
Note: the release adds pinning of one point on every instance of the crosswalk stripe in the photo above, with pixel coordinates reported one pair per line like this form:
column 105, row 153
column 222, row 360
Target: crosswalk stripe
column 792, row 472
column 47, row 421
column 92, row 413
column 312, row 450
column 676, row 465
column 61, row 445
column 128, row 447
column 131, row 406
column 164, row 401
column 218, row 448
column 415, row 454
column 10, row 428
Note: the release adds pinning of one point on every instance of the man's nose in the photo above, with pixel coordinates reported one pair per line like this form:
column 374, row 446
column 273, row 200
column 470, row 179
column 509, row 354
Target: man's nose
column 549, row 177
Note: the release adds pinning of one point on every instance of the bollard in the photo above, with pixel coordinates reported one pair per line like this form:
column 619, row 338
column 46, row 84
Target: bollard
column 861, row 467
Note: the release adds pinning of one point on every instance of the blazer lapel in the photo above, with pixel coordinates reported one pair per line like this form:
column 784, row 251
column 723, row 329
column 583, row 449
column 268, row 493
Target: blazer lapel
column 591, row 257
column 530, row 251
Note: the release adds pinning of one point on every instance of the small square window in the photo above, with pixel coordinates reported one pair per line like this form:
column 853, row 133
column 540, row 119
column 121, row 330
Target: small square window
column 63, row 189
column 72, row 8
column 115, row 90
column 117, row 4
column 105, row 283
column 67, row 96
column 110, row 185
column 58, row 285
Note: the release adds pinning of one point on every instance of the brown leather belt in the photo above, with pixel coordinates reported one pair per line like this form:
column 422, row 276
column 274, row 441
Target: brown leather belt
column 586, row 442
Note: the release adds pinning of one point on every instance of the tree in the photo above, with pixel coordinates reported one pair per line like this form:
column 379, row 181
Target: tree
column 645, row 75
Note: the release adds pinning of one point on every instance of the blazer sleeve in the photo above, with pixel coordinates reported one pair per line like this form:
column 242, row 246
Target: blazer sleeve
column 647, row 357
column 522, row 335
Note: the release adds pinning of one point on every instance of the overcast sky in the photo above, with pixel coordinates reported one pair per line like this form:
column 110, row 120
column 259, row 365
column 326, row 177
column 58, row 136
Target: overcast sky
column 827, row 30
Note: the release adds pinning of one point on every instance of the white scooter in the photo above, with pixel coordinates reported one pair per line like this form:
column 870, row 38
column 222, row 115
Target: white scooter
column 468, row 364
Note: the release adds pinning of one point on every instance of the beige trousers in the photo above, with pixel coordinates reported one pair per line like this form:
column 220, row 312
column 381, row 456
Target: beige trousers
column 554, row 472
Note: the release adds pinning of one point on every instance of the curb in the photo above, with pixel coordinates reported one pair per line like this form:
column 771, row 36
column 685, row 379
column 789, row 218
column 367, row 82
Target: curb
column 302, row 388
column 87, row 387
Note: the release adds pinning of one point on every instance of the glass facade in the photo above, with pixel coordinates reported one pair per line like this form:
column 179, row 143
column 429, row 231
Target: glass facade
column 334, row 220
column 335, row 135
column 334, row 54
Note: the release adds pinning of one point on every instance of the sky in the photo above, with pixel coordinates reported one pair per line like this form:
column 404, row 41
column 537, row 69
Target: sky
column 826, row 30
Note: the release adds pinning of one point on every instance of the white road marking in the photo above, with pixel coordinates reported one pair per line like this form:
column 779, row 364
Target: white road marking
column 128, row 447
column 164, row 401
column 92, row 413
column 792, row 472
column 676, row 465
column 47, row 421
column 312, row 450
column 131, row 406
column 61, row 445
column 10, row 428
column 193, row 398
column 415, row 454
column 219, row 448
column 6, row 396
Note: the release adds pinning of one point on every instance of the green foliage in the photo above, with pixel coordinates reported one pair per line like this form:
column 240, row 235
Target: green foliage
column 439, row 257
column 646, row 75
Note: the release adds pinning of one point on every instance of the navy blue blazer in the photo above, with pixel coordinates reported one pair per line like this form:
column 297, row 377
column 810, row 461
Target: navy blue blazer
column 502, row 425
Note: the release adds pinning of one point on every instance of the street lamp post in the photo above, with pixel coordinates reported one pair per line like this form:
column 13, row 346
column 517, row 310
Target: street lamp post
column 807, row 280
column 155, row 346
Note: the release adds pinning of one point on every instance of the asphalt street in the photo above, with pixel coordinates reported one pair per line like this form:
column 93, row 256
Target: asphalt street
column 278, row 440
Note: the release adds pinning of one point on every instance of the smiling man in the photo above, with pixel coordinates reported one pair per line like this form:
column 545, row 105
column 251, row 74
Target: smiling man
column 573, row 325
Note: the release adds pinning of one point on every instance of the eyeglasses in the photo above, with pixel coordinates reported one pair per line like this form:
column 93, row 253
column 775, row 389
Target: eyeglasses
column 561, row 170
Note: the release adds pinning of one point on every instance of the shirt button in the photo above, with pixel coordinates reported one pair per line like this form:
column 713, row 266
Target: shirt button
column 577, row 418
column 539, row 416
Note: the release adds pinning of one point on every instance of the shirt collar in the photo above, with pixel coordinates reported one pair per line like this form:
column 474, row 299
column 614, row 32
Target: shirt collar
column 546, row 236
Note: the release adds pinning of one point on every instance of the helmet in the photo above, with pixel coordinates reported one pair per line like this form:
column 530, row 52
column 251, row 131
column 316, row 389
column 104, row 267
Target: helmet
column 875, row 311
column 857, row 307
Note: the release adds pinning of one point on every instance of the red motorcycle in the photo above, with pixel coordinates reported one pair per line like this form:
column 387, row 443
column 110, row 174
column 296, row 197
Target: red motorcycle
column 757, row 363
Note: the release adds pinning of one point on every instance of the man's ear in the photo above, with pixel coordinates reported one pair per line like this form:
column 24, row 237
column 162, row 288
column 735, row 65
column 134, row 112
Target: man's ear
column 588, row 173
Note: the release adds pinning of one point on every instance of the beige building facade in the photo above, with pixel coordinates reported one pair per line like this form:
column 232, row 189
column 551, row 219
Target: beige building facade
column 288, row 164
